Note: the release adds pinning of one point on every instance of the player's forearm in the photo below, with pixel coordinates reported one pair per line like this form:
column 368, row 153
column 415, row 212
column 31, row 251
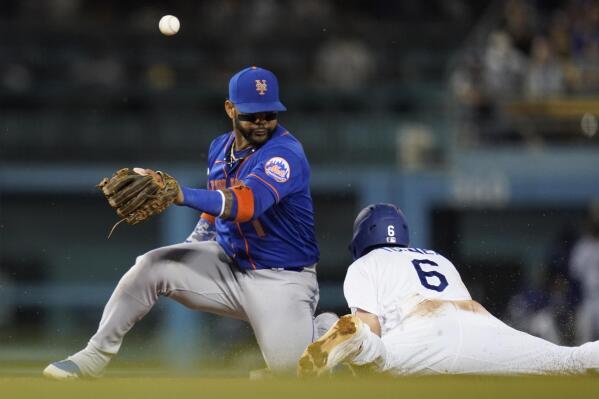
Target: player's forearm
column 370, row 319
column 373, row 351
column 203, row 200
column 235, row 203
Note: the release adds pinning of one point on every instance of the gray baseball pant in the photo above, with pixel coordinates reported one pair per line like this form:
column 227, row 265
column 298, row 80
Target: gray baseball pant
column 278, row 304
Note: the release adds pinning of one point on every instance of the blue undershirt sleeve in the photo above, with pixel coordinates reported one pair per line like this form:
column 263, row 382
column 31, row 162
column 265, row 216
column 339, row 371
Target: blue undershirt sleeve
column 209, row 201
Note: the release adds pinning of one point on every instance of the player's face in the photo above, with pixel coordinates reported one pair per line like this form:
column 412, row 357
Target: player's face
column 255, row 128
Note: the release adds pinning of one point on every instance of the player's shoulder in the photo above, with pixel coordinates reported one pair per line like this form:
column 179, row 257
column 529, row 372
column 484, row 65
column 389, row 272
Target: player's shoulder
column 421, row 251
column 285, row 151
column 374, row 265
column 219, row 141
column 412, row 254
column 366, row 263
column 396, row 252
column 216, row 145
column 283, row 141
column 359, row 267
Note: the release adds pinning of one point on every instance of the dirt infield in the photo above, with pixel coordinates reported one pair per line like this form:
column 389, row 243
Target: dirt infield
column 371, row 387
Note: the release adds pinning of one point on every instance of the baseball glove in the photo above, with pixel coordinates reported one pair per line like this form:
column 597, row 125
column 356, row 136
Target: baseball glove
column 138, row 196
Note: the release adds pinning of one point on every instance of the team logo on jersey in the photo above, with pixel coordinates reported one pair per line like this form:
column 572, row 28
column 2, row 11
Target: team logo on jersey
column 261, row 86
column 278, row 168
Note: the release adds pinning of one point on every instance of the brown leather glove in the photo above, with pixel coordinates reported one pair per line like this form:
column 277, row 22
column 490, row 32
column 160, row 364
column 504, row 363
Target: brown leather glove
column 138, row 196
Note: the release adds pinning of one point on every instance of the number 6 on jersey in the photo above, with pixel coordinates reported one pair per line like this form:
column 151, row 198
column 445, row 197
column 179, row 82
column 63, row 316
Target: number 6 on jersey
column 427, row 278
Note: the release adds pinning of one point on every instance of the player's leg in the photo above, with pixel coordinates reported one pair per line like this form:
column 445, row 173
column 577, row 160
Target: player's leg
column 280, row 307
column 322, row 323
column 491, row 347
column 348, row 341
column 452, row 340
column 197, row 275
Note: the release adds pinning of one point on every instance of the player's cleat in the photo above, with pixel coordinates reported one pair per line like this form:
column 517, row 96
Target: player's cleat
column 87, row 363
column 342, row 342
column 63, row 370
column 323, row 322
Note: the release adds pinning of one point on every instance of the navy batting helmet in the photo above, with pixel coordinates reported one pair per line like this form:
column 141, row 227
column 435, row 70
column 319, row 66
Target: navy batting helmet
column 379, row 225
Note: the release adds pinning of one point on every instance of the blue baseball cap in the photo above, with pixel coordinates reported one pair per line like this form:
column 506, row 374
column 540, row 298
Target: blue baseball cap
column 254, row 90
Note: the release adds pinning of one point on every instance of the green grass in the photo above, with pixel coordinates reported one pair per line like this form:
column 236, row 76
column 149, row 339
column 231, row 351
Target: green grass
column 20, row 386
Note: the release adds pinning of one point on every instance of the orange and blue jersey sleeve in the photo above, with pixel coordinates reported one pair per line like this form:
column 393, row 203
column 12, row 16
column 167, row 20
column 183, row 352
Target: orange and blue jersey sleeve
column 279, row 173
column 234, row 203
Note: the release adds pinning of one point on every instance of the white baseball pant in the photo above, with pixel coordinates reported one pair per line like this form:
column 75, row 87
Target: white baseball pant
column 448, row 338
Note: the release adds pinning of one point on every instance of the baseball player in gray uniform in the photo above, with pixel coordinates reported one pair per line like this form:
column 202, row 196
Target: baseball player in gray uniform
column 252, row 255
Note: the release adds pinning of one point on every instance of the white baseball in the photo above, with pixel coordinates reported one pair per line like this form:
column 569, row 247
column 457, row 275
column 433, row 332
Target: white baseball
column 169, row 25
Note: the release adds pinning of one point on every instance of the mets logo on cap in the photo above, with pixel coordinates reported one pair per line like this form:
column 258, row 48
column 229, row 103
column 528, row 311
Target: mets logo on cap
column 261, row 86
column 278, row 168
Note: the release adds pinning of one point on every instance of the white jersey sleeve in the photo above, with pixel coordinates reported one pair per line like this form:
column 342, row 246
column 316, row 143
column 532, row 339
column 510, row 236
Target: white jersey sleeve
column 359, row 289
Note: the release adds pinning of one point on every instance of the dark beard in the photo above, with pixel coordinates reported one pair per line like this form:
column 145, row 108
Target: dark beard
column 247, row 134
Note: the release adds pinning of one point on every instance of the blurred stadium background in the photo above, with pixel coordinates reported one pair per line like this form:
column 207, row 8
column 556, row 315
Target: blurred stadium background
column 478, row 118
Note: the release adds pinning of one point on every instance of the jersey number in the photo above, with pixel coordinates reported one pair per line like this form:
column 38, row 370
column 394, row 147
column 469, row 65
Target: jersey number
column 427, row 278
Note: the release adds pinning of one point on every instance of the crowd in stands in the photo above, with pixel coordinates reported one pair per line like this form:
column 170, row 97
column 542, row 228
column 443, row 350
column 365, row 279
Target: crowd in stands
column 84, row 65
column 105, row 44
column 539, row 51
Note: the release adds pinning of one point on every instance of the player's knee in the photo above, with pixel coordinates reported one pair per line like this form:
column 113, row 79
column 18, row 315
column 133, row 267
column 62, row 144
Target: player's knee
column 146, row 268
